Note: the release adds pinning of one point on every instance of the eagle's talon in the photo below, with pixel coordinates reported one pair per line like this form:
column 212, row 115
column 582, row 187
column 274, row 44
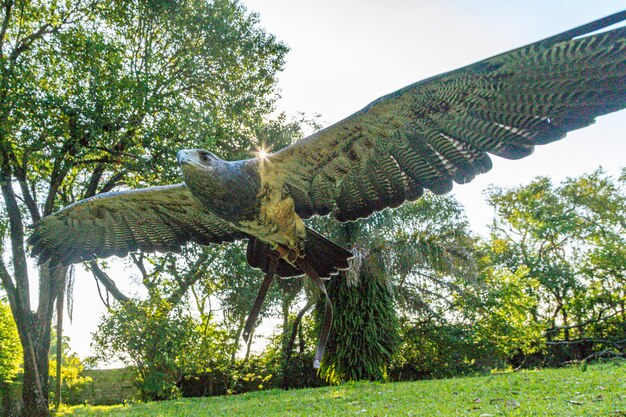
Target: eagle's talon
column 289, row 255
column 293, row 255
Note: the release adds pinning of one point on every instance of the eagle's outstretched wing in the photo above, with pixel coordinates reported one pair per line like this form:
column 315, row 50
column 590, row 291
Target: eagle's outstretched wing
column 437, row 131
column 150, row 219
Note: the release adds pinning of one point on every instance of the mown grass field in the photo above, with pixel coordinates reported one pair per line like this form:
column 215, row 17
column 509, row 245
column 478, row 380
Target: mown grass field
column 600, row 390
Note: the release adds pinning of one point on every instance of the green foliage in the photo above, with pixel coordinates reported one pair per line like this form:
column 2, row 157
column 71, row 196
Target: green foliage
column 257, row 372
column 169, row 350
column 156, row 339
column 550, row 392
column 228, row 277
column 501, row 310
column 296, row 360
column 10, row 347
column 364, row 337
column 407, row 259
column 125, row 90
column 210, row 350
column 570, row 241
column 95, row 96
column 439, row 350
column 292, row 351
column 72, row 382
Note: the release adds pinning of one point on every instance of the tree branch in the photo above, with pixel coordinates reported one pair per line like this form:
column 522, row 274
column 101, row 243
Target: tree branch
column 112, row 182
column 617, row 343
column 16, row 228
column 294, row 329
column 9, row 286
column 138, row 261
column 8, row 6
column 20, row 174
column 584, row 323
column 29, row 201
column 108, row 283
column 184, row 284
column 94, row 180
column 106, row 302
column 45, row 29
column 605, row 352
column 56, row 179
column 117, row 152
column 24, row 43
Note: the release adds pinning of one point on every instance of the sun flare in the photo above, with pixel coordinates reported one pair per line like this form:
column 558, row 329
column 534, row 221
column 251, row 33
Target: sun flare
column 263, row 152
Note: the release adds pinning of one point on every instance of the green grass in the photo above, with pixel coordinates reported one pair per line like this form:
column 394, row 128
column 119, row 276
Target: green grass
column 598, row 391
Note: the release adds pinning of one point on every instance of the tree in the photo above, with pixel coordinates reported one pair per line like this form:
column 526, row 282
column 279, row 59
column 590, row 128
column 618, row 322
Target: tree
column 364, row 336
column 216, row 279
column 571, row 239
column 97, row 95
column 500, row 310
column 154, row 337
column 402, row 259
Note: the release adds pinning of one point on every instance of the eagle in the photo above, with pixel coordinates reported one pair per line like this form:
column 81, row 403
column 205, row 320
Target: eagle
column 425, row 136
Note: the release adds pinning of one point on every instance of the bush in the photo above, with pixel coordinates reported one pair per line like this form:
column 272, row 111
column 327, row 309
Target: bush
column 154, row 338
column 268, row 370
column 10, row 347
column 434, row 350
column 73, row 382
column 167, row 347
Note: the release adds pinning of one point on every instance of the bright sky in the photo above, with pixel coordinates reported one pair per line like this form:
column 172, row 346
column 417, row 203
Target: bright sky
column 346, row 53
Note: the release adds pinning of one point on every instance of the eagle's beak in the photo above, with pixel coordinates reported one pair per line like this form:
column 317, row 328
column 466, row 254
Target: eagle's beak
column 183, row 157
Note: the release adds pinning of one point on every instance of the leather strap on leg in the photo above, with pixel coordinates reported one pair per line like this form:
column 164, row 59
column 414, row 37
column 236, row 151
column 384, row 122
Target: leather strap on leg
column 328, row 310
column 258, row 302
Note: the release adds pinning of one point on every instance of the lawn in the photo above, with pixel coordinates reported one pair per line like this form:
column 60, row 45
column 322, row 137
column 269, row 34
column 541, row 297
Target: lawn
column 598, row 390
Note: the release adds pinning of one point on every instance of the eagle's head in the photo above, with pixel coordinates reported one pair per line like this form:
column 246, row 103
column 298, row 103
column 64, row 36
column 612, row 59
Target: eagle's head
column 196, row 157
column 203, row 172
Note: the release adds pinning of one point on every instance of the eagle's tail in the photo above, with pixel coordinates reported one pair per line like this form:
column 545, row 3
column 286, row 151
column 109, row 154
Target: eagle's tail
column 326, row 257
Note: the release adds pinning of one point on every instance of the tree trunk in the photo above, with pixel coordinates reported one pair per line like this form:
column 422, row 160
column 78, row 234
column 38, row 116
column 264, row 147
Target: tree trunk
column 285, row 305
column 233, row 354
column 57, row 393
column 34, row 330
column 36, row 345
column 285, row 313
column 248, row 346
column 565, row 317
column 294, row 329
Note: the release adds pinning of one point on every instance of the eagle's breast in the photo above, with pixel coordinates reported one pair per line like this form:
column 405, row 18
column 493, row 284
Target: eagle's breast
column 277, row 221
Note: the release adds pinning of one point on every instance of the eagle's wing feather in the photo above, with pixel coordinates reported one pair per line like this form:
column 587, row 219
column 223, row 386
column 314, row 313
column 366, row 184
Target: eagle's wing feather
column 437, row 131
column 150, row 219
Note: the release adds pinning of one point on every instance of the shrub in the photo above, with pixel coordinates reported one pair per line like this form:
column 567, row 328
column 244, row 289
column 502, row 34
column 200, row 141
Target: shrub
column 10, row 347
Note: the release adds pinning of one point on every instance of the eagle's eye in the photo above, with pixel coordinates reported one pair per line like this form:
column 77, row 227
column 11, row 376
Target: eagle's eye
column 205, row 157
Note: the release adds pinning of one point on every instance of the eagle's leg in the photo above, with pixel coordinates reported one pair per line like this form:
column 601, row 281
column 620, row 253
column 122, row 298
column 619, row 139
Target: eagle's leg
column 293, row 257
column 275, row 255
column 306, row 267
column 274, row 258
